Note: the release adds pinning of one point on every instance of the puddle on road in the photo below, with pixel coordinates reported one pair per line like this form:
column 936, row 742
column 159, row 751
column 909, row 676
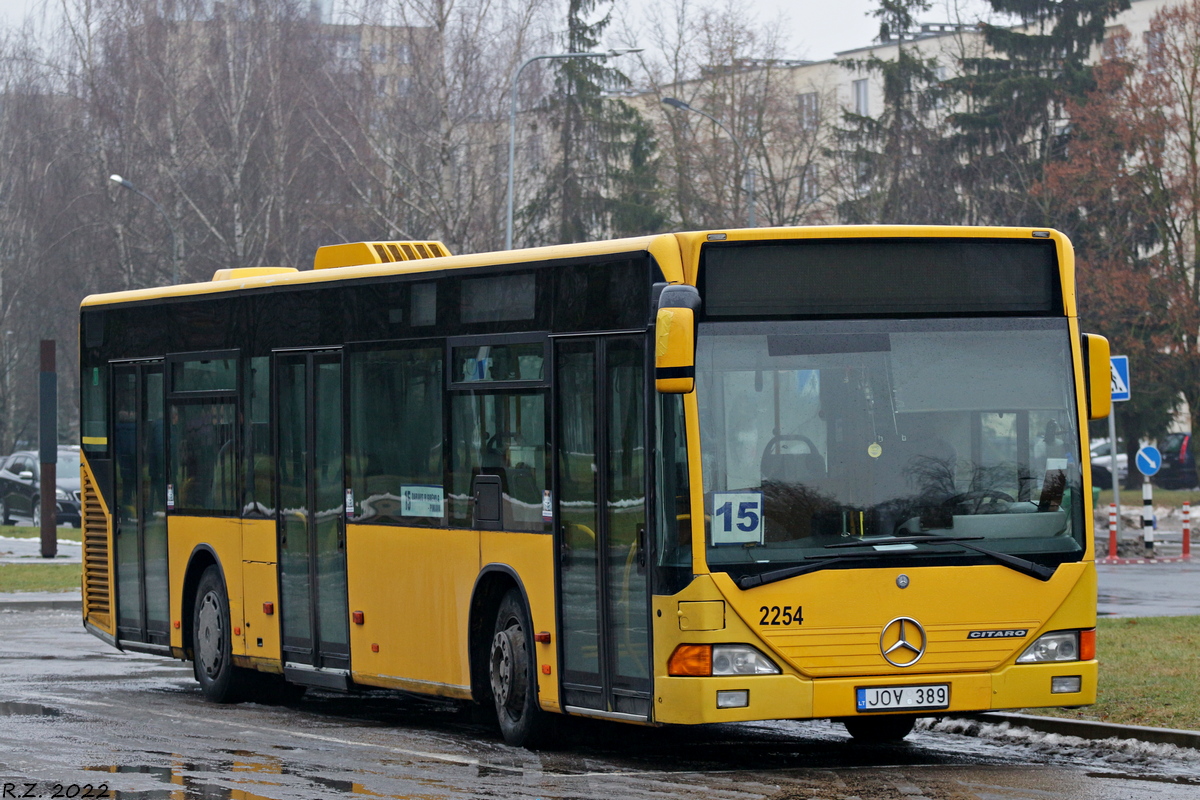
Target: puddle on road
column 185, row 780
column 27, row 710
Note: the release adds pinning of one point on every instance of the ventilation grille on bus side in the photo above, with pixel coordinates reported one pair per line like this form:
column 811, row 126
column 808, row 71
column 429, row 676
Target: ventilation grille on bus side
column 355, row 254
column 97, row 585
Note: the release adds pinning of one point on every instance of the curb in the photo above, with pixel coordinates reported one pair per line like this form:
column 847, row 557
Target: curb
column 41, row 601
column 1143, row 560
column 1085, row 729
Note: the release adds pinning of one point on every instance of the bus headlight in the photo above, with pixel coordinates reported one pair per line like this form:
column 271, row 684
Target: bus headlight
column 703, row 660
column 1061, row 646
column 741, row 659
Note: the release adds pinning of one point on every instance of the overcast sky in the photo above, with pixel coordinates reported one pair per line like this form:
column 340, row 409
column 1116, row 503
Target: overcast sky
column 816, row 29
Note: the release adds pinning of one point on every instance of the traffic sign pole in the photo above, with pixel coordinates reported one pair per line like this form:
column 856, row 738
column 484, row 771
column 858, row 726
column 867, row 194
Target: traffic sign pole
column 1112, row 466
column 1149, row 462
column 1148, row 517
column 1119, row 384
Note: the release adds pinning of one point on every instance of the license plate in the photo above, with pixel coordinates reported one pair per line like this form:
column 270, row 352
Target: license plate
column 903, row 698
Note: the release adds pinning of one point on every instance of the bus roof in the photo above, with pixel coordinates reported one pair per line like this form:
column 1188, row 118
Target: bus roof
column 677, row 255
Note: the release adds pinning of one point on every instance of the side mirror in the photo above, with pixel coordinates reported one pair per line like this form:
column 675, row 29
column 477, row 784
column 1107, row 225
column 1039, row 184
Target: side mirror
column 25, row 475
column 1097, row 371
column 675, row 340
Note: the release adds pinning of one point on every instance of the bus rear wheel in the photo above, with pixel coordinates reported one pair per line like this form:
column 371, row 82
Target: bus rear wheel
column 512, row 679
column 212, row 646
column 879, row 729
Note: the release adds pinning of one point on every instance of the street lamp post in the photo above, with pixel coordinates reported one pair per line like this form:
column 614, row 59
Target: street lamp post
column 174, row 239
column 512, row 121
column 742, row 154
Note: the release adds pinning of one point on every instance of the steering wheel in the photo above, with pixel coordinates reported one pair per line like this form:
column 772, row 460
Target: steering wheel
column 981, row 497
column 790, row 437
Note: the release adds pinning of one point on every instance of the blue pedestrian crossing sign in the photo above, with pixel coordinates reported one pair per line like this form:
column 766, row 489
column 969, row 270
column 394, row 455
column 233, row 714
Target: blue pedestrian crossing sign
column 1149, row 460
column 1120, row 378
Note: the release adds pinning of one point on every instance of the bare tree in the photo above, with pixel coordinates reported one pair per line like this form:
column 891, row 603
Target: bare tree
column 715, row 61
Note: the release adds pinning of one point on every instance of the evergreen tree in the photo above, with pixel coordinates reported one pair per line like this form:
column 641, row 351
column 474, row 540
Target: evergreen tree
column 1012, row 121
column 897, row 167
column 604, row 179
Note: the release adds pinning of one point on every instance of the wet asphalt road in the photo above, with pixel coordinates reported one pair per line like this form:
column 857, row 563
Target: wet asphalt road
column 1148, row 590
column 76, row 713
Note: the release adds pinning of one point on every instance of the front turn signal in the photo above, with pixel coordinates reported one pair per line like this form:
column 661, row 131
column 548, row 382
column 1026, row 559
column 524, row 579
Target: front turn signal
column 1087, row 644
column 690, row 660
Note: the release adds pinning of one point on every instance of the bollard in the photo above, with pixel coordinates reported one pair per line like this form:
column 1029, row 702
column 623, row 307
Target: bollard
column 1112, row 530
column 1187, row 530
column 1148, row 517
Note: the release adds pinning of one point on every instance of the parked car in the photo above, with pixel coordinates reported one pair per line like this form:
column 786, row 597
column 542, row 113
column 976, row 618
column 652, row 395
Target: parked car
column 1178, row 463
column 20, row 489
column 1102, row 464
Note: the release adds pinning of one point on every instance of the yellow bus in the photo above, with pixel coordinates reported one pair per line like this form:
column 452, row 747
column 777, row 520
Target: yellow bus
column 787, row 473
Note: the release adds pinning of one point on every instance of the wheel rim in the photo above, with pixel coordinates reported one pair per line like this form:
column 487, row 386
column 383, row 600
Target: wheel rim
column 506, row 669
column 210, row 640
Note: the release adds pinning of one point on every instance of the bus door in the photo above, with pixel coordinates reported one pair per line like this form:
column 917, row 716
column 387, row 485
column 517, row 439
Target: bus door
column 310, row 522
column 603, row 590
column 140, row 515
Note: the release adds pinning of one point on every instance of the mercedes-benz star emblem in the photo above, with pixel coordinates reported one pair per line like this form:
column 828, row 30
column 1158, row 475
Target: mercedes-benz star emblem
column 902, row 642
column 902, row 581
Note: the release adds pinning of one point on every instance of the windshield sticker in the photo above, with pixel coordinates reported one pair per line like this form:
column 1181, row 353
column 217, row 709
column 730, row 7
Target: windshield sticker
column 737, row 518
column 422, row 500
column 874, row 451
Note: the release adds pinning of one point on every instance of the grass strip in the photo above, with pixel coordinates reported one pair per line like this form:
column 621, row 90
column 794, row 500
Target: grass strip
column 39, row 577
column 1148, row 670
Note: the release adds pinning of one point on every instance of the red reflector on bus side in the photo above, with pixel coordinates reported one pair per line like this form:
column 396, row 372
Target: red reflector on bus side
column 268, row 608
column 542, row 637
column 358, row 617
column 1087, row 644
column 545, row 669
column 177, row 624
column 374, row 648
column 691, row 659
column 237, row 631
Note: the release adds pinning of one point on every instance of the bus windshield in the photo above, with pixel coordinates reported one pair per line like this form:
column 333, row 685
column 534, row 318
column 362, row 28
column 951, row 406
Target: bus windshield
column 824, row 433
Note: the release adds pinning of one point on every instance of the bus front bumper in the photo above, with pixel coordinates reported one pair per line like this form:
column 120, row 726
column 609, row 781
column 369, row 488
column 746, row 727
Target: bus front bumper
column 691, row 701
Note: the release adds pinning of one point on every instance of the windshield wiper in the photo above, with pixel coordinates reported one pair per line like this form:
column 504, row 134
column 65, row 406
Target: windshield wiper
column 1024, row 566
column 750, row 581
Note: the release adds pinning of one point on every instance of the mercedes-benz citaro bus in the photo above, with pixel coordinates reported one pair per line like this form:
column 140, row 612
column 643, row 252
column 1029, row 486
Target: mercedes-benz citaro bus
column 785, row 473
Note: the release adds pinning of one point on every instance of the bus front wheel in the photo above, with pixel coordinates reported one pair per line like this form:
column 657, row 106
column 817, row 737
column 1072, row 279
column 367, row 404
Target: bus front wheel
column 879, row 729
column 512, row 678
column 220, row 680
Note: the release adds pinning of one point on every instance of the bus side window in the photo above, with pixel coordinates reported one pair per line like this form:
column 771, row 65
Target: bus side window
column 203, row 457
column 396, row 464
column 501, row 434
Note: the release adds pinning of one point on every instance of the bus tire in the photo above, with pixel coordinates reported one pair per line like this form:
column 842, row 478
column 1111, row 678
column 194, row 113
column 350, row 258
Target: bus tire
column 212, row 646
column 875, row 730
column 512, row 677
